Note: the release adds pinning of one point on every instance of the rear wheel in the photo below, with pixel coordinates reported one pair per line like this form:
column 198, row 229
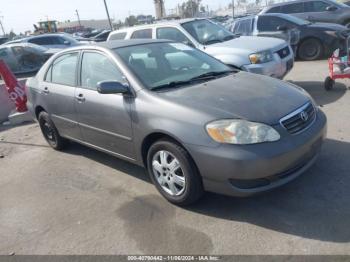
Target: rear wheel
column 310, row 49
column 329, row 83
column 173, row 173
column 50, row 132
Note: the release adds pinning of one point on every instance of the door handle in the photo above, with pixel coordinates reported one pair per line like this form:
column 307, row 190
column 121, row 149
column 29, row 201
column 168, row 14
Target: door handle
column 46, row 90
column 80, row 98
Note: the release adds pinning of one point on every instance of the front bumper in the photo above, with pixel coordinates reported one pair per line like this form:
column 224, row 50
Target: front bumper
column 278, row 68
column 246, row 170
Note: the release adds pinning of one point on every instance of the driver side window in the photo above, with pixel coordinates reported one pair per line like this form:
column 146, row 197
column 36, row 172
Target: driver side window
column 96, row 67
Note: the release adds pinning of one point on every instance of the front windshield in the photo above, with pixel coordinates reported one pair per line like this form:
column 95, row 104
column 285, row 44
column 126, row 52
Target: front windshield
column 165, row 65
column 296, row 20
column 206, row 32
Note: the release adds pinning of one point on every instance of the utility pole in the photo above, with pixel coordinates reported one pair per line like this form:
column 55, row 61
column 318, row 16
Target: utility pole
column 233, row 9
column 109, row 19
column 76, row 11
column 1, row 25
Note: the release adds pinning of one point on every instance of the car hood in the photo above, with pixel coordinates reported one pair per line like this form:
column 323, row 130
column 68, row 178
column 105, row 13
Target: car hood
column 327, row 26
column 247, row 45
column 241, row 96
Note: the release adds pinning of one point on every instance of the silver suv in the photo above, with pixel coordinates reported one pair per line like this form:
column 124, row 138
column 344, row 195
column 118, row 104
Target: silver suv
column 314, row 10
column 260, row 55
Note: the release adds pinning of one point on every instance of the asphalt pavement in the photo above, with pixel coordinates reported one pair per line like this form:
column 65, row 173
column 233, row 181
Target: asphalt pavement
column 81, row 201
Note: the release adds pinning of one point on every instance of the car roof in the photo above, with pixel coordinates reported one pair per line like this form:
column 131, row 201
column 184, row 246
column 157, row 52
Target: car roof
column 157, row 23
column 125, row 43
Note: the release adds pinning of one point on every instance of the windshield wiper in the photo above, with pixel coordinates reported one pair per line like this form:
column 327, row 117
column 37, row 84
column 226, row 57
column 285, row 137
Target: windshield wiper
column 230, row 37
column 172, row 84
column 206, row 76
column 213, row 41
column 211, row 75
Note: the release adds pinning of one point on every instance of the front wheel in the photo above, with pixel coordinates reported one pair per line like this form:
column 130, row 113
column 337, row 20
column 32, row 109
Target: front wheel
column 310, row 49
column 173, row 173
column 50, row 132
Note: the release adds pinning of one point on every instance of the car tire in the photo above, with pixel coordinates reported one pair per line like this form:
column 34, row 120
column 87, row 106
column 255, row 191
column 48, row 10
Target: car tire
column 310, row 49
column 347, row 24
column 329, row 83
column 50, row 132
column 179, row 183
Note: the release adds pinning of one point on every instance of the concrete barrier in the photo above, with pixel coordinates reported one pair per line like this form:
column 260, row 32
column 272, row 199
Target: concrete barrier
column 6, row 105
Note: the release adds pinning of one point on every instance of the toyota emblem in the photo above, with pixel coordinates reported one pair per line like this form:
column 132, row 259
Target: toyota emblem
column 304, row 116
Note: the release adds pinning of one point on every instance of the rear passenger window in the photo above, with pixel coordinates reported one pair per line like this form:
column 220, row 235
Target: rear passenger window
column 276, row 9
column 48, row 77
column 64, row 70
column 316, row 6
column 41, row 41
column 118, row 36
column 142, row 34
column 170, row 33
column 293, row 8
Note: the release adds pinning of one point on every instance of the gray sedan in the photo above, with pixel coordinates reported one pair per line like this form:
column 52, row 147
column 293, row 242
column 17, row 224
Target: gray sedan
column 192, row 121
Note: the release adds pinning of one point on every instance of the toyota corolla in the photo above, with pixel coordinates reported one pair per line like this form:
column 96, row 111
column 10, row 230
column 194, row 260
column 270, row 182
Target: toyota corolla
column 193, row 122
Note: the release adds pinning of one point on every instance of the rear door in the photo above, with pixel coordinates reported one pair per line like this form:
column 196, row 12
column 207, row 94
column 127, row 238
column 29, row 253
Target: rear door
column 104, row 119
column 58, row 89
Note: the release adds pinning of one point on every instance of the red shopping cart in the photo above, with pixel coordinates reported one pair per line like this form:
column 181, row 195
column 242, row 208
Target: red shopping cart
column 339, row 66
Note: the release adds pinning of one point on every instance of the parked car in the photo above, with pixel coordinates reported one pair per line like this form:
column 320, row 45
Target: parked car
column 253, row 26
column 3, row 40
column 315, row 40
column 101, row 37
column 195, row 123
column 49, row 40
column 23, row 58
column 328, row 11
column 249, row 53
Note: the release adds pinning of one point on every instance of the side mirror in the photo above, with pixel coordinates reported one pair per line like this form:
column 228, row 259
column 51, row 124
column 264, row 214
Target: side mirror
column 282, row 28
column 331, row 8
column 112, row 87
column 66, row 42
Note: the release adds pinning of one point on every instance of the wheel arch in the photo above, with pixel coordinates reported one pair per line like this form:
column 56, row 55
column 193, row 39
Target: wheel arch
column 38, row 110
column 151, row 138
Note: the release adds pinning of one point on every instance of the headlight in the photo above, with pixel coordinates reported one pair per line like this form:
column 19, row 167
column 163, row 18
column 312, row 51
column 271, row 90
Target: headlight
column 262, row 57
column 332, row 33
column 241, row 132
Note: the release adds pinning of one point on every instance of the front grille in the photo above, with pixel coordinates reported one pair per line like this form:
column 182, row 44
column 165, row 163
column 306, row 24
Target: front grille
column 300, row 119
column 284, row 52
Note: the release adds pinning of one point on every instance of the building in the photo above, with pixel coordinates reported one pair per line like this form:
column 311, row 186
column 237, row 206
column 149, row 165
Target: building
column 160, row 9
column 74, row 26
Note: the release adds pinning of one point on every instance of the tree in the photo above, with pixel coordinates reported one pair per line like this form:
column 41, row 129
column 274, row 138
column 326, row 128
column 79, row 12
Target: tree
column 131, row 20
column 190, row 8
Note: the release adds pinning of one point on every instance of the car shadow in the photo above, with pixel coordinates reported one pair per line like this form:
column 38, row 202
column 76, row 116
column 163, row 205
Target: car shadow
column 108, row 160
column 315, row 206
column 317, row 91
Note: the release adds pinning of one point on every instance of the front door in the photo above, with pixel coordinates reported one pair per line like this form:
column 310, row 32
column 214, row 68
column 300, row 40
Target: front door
column 104, row 119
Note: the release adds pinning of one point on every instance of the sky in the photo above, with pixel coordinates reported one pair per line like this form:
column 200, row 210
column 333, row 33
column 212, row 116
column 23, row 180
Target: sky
column 20, row 15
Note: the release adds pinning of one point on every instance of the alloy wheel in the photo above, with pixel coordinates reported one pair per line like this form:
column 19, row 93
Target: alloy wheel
column 168, row 173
